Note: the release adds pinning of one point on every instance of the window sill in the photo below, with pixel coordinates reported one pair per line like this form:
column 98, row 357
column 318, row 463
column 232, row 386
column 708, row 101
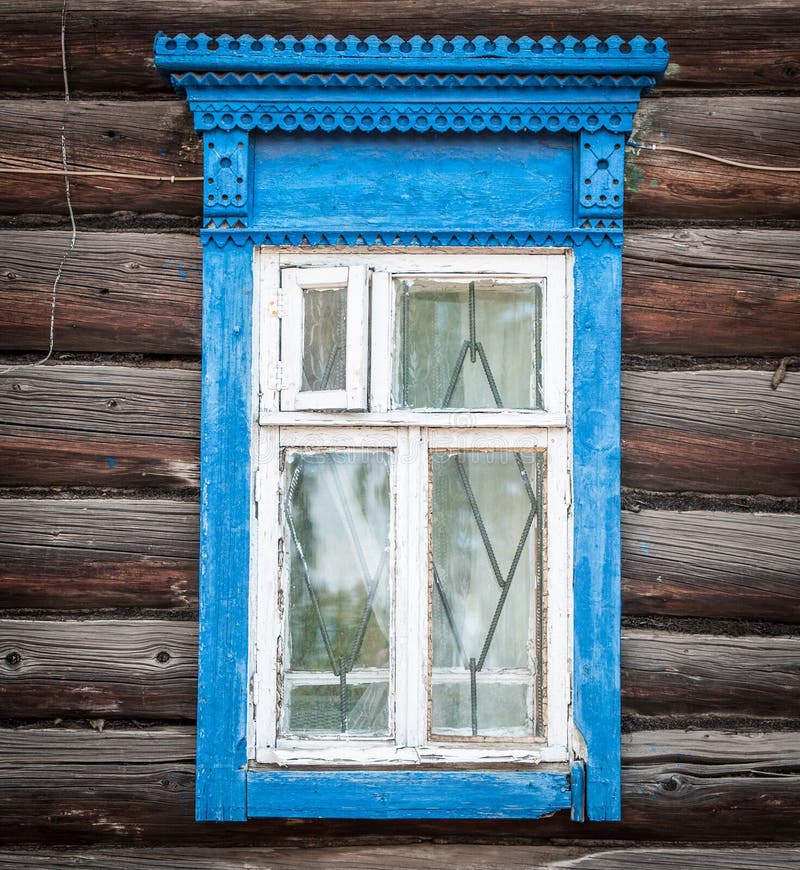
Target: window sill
column 409, row 794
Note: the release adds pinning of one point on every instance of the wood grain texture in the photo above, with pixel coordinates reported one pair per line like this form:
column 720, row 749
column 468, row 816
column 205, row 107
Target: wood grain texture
column 756, row 130
column 92, row 553
column 417, row 856
column 117, row 669
column 95, row 553
column 709, row 563
column 728, row 781
column 118, row 803
column 707, row 431
column 710, row 292
column 725, row 751
column 114, row 668
column 87, row 745
column 711, row 431
column 156, row 137
column 701, row 292
column 109, row 47
column 707, row 675
column 119, row 292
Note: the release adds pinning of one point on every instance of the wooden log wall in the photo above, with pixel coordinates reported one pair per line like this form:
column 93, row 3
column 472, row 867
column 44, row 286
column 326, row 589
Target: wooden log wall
column 99, row 447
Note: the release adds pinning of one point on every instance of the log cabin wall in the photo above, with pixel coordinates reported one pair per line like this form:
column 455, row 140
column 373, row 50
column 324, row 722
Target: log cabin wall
column 99, row 447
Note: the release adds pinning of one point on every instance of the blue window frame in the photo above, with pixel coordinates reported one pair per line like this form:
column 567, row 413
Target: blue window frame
column 433, row 144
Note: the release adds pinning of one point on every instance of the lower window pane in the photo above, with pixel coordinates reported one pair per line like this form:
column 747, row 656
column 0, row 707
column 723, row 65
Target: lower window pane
column 486, row 593
column 336, row 511
column 502, row 710
column 317, row 708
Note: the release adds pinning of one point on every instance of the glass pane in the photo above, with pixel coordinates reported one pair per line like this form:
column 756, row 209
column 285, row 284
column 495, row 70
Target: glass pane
column 467, row 343
column 324, row 339
column 337, row 518
column 315, row 708
column 486, row 618
column 507, row 709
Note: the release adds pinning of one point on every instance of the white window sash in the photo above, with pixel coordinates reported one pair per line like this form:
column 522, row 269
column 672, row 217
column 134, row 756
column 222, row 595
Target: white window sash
column 294, row 281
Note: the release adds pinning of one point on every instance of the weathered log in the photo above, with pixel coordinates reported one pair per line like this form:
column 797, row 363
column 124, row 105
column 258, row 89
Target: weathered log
column 710, row 431
column 109, row 46
column 119, row 292
column 90, row 459
column 706, row 675
column 114, row 668
column 94, row 553
column 96, row 803
column 711, row 292
column 707, row 431
column 700, row 292
column 76, row 794
column 96, row 745
column 146, row 669
column 157, row 138
column 416, row 856
column 710, row 563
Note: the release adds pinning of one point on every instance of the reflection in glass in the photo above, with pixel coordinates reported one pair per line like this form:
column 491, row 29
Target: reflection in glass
column 336, row 511
column 467, row 343
column 324, row 339
column 486, row 619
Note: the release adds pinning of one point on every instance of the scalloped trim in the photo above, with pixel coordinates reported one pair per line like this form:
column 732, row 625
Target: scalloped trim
column 613, row 55
column 419, row 117
column 408, row 80
column 221, row 236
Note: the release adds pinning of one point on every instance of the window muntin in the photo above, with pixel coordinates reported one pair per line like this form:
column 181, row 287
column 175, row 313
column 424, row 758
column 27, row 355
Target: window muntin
column 430, row 706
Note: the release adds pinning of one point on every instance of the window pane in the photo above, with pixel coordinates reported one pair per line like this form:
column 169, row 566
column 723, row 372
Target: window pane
column 486, row 614
column 337, row 655
column 324, row 339
column 467, row 343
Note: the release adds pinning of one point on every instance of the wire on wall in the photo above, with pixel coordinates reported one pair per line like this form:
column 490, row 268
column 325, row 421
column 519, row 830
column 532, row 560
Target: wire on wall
column 74, row 233
column 652, row 146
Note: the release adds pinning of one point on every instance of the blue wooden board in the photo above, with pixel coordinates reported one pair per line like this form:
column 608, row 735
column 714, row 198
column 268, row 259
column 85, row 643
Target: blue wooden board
column 412, row 182
column 596, row 519
column 225, row 507
column 407, row 794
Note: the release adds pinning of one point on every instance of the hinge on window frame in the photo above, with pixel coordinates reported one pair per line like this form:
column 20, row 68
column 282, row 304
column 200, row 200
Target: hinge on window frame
column 276, row 373
column 276, row 302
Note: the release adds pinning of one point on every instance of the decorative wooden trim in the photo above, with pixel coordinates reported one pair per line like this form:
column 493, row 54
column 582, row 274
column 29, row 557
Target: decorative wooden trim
column 613, row 56
column 561, row 111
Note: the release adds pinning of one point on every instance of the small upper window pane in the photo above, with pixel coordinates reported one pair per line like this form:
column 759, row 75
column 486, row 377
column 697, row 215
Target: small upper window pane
column 324, row 339
column 467, row 342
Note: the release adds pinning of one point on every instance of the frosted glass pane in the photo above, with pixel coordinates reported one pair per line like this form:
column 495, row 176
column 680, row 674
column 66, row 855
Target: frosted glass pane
column 324, row 339
column 486, row 527
column 467, row 343
column 337, row 518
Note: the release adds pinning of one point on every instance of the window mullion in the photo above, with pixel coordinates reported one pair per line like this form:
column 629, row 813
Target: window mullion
column 411, row 642
column 268, row 618
column 381, row 339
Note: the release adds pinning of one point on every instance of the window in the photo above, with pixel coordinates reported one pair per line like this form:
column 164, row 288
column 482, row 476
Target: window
column 409, row 566
column 409, row 606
